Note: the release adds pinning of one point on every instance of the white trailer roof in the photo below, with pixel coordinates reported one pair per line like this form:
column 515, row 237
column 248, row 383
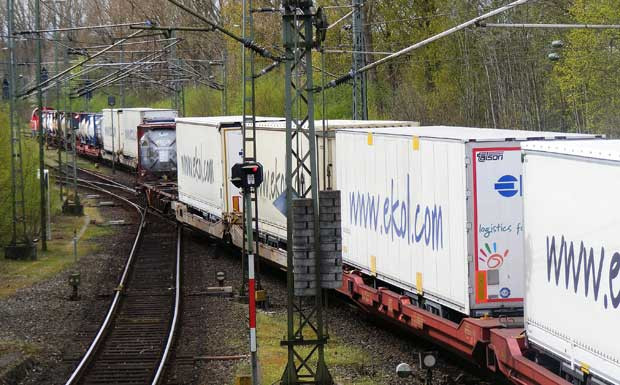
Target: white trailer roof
column 471, row 134
column 280, row 122
column 593, row 149
column 221, row 120
column 138, row 109
column 344, row 124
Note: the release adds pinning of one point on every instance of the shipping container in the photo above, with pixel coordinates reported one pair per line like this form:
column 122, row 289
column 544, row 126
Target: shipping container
column 126, row 121
column 131, row 118
column 437, row 212
column 200, row 171
column 572, row 245
column 111, row 130
column 157, row 150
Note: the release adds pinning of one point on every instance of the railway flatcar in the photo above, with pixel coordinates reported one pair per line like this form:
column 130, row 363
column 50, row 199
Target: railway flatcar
column 572, row 249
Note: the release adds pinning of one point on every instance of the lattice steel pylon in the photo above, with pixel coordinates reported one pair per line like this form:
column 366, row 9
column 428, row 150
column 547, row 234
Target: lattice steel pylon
column 360, row 94
column 21, row 246
column 306, row 331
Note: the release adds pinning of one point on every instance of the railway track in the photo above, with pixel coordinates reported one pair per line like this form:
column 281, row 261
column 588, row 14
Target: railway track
column 135, row 339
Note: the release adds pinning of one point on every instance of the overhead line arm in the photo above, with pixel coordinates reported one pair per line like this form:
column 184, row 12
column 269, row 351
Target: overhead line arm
column 34, row 88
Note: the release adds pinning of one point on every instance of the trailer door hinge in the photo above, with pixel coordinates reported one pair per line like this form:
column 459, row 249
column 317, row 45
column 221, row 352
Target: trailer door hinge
column 468, row 226
column 467, row 161
column 470, row 290
column 467, row 193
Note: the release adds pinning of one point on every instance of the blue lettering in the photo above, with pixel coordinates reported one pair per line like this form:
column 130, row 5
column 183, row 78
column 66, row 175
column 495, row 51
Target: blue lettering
column 614, row 271
column 364, row 212
column 418, row 235
column 591, row 273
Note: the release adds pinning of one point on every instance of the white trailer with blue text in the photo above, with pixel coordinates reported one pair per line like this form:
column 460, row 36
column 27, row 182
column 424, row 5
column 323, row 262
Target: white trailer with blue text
column 572, row 245
column 437, row 213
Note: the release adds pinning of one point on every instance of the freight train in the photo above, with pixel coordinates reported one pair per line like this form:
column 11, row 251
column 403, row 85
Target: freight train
column 434, row 237
column 140, row 139
column 495, row 244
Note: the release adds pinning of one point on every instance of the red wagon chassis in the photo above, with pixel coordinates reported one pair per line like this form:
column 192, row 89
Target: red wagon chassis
column 486, row 342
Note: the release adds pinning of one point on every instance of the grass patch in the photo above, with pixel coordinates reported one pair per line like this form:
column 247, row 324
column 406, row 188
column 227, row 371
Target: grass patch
column 26, row 348
column 345, row 362
column 15, row 275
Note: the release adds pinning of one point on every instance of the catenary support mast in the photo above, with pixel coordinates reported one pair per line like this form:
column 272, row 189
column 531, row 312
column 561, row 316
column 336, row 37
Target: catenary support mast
column 306, row 355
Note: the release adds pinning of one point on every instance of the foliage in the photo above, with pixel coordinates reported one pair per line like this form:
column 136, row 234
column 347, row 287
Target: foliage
column 31, row 183
column 587, row 76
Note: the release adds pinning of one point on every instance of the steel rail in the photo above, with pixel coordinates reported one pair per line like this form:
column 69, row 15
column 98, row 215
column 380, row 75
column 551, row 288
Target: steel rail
column 175, row 317
column 105, row 178
column 77, row 372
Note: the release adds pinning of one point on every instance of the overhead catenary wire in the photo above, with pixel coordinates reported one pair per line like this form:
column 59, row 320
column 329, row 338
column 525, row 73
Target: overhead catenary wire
column 123, row 72
column 335, row 23
column 250, row 44
column 71, row 68
column 548, row 26
column 405, row 51
column 145, row 60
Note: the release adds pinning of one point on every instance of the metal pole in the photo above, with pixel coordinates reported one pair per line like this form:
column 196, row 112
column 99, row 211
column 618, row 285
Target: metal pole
column 14, row 138
column 75, row 258
column 360, row 99
column 43, row 206
column 57, row 114
column 113, row 149
column 49, row 219
column 182, row 100
column 121, row 84
column 224, row 84
column 290, row 373
column 247, row 199
column 76, row 200
column 173, row 59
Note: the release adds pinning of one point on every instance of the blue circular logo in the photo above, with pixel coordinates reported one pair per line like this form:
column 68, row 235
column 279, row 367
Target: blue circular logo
column 504, row 292
column 507, row 186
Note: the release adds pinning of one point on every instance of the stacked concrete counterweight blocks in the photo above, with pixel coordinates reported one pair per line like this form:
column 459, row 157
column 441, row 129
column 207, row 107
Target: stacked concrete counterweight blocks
column 304, row 256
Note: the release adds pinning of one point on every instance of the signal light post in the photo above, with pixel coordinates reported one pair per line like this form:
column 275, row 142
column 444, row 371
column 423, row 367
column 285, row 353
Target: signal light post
column 248, row 176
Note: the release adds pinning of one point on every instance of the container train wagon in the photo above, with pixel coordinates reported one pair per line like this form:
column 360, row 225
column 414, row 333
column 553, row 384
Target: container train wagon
column 434, row 235
column 140, row 139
